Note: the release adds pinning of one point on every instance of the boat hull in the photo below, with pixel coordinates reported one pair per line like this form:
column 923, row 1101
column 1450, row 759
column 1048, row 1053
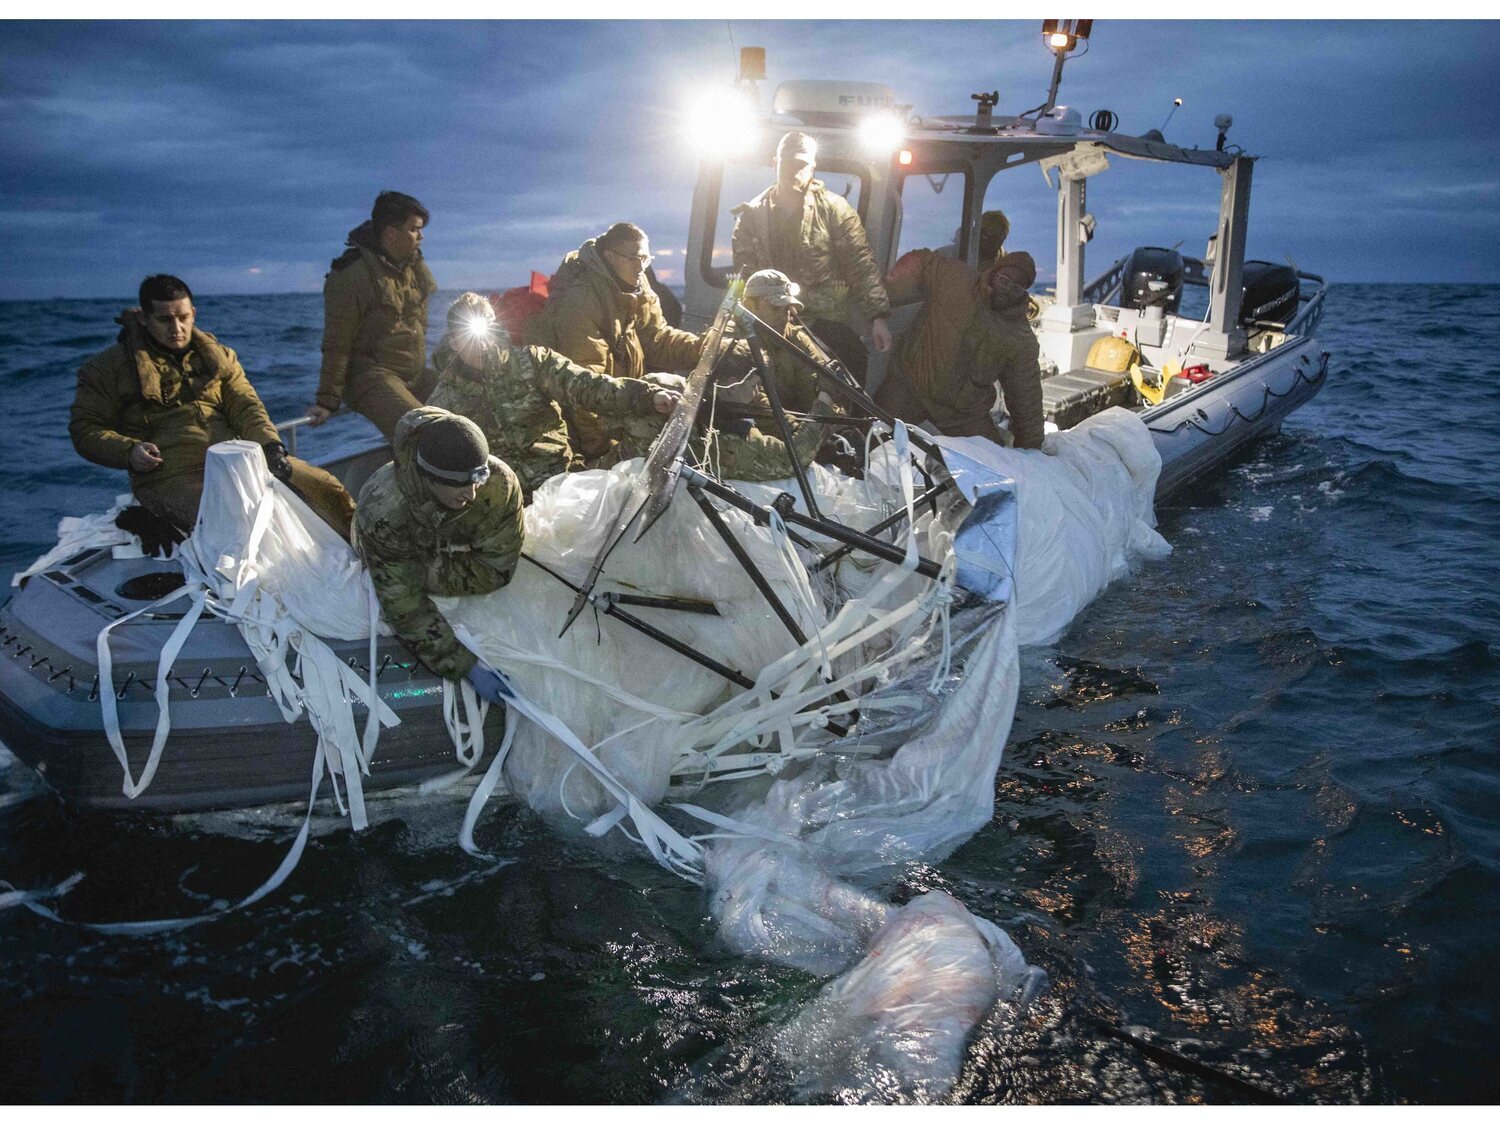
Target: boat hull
column 229, row 745
column 1204, row 428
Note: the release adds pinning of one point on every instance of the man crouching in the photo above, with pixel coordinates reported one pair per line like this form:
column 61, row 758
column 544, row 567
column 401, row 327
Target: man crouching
column 156, row 399
column 443, row 518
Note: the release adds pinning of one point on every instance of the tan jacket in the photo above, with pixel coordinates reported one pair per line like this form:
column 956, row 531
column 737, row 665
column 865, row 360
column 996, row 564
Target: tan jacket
column 374, row 316
column 594, row 322
column 133, row 391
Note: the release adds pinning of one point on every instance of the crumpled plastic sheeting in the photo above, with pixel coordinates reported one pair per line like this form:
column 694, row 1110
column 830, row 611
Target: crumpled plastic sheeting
column 792, row 877
column 933, row 972
column 85, row 533
column 1086, row 511
column 300, row 560
column 654, row 689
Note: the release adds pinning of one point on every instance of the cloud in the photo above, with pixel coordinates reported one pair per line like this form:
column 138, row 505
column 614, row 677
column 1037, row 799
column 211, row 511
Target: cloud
column 216, row 146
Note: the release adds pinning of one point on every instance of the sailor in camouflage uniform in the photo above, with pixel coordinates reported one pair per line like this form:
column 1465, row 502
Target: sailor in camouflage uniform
column 513, row 394
column 444, row 517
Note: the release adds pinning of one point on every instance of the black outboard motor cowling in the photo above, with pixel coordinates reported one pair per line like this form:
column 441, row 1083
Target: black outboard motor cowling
column 1271, row 293
column 1153, row 277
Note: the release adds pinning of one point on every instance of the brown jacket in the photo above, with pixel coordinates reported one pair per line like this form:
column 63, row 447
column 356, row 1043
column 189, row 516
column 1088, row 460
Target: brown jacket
column 960, row 346
column 133, row 391
column 374, row 316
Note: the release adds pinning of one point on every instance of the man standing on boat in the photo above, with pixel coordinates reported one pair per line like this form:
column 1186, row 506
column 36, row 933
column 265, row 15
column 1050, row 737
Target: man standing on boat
column 443, row 518
column 375, row 318
column 602, row 314
column 517, row 395
column 972, row 332
column 813, row 236
column 156, row 399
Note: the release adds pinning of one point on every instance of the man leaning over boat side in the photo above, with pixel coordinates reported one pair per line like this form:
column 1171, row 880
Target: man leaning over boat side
column 602, row 313
column 816, row 238
column 443, row 518
column 515, row 394
column 155, row 400
column 971, row 333
column 375, row 318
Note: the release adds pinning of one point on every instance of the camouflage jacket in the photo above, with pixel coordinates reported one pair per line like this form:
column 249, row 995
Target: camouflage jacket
column 833, row 263
column 134, row 391
column 797, row 385
column 414, row 547
column 757, row 456
column 374, row 316
column 514, row 399
column 959, row 347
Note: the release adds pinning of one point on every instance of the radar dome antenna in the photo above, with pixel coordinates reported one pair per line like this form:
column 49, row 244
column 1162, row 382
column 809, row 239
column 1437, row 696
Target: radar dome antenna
column 1222, row 124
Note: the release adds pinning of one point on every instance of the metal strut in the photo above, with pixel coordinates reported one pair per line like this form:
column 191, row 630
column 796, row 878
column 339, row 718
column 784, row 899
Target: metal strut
column 609, row 606
column 847, row 535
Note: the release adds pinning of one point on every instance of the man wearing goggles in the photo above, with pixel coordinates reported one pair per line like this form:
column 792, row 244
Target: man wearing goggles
column 445, row 518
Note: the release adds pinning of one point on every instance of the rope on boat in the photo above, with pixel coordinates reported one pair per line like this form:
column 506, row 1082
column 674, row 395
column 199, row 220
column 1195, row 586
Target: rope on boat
column 1235, row 412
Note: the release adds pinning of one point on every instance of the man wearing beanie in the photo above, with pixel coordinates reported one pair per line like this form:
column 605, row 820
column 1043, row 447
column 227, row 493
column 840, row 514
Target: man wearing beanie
column 444, row 517
column 972, row 332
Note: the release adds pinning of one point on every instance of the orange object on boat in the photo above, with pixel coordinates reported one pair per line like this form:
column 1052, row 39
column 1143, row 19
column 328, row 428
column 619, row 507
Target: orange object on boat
column 516, row 308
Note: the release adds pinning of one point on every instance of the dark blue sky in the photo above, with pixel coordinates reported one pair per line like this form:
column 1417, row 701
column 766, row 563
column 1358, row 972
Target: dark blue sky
column 238, row 154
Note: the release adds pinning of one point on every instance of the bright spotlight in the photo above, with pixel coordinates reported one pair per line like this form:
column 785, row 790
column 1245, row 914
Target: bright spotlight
column 477, row 328
column 721, row 123
column 881, row 132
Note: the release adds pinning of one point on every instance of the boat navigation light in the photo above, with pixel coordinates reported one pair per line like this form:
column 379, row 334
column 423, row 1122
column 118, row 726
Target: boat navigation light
column 881, row 132
column 721, row 122
column 1062, row 36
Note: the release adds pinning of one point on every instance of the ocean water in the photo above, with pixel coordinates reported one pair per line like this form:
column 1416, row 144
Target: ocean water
column 1246, row 822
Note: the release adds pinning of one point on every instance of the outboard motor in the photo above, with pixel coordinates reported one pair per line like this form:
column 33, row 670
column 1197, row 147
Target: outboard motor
column 1271, row 293
column 1153, row 278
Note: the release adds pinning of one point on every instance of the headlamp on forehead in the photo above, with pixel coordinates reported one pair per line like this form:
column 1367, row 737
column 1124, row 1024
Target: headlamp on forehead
column 478, row 327
column 477, row 475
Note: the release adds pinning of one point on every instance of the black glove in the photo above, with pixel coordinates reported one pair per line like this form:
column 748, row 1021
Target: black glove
column 278, row 462
column 158, row 536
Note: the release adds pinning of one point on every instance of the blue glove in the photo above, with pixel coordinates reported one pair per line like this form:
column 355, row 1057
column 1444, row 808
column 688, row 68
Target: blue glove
column 488, row 684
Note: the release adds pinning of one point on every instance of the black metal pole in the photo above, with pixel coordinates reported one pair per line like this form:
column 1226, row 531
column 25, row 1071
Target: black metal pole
column 925, row 567
column 768, row 380
column 842, row 382
column 679, row 647
column 747, row 563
